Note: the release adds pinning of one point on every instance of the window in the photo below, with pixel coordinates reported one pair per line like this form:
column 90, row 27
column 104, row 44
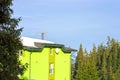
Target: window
column 51, row 68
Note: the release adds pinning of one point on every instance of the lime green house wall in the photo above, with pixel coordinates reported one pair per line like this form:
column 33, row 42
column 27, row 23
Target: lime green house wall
column 63, row 66
column 47, row 62
column 37, row 64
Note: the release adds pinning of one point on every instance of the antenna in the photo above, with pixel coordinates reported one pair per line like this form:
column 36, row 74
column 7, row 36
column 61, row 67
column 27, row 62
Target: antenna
column 42, row 35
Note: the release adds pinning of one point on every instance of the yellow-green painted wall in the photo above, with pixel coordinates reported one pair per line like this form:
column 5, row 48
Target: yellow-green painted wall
column 39, row 64
column 38, row 68
column 62, row 66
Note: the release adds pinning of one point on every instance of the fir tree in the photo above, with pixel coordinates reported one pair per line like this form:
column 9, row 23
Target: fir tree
column 102, row 63
column 104, row 66
column 93, row 68
column 79, row 64
column 10, row 43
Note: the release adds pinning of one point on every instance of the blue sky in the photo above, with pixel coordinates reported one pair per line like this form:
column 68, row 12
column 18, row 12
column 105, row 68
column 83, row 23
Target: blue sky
column 70, row 22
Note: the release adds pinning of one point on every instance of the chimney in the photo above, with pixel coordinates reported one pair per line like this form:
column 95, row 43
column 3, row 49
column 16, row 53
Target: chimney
column 42, row 35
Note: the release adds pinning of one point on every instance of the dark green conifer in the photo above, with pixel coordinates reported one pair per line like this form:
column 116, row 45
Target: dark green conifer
column 10, row 43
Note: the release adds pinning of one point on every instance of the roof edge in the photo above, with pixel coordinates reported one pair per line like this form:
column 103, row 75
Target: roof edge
column 40, row 46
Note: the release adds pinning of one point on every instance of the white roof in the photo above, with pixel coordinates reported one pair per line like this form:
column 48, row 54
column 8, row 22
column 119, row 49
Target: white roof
column 26, row 41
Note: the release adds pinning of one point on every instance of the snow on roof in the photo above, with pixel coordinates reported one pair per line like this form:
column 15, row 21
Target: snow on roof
column 26, row 41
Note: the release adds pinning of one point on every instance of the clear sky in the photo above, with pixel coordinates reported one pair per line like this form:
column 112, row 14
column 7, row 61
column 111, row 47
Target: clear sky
column 70, row 22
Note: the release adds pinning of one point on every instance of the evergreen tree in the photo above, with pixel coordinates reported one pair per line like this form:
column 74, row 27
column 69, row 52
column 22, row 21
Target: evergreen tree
column 85, row 65
column 94, row 55
column 79, row 64
column 93, row 68
column 100, row 52
column 102, row 63
column 118, row 64
column 104, row 66
column 114, row 52
column 10, row 43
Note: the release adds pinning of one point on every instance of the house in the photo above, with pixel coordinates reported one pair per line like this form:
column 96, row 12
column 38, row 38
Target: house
column 46, row 60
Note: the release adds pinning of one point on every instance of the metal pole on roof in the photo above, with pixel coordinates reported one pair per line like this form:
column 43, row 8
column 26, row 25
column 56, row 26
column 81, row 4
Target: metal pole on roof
column 43, row 35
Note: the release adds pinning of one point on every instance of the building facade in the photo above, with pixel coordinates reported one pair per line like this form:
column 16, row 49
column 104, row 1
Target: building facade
column 46, row 60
